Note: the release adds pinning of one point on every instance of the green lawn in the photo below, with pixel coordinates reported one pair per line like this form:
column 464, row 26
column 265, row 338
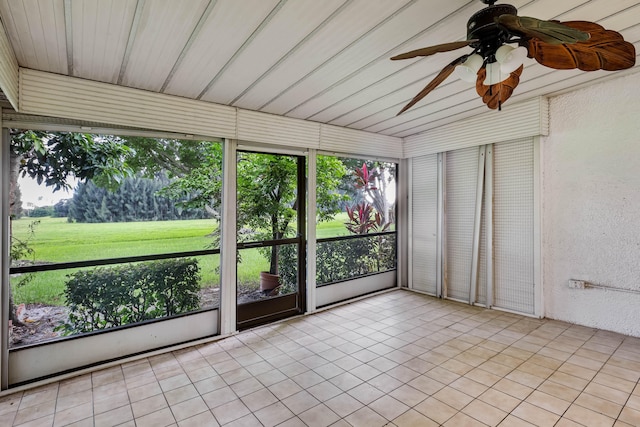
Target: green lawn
column 56, row 240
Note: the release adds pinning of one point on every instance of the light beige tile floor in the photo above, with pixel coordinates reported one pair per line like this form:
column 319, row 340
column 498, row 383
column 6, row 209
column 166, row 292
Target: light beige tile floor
column 396, row 359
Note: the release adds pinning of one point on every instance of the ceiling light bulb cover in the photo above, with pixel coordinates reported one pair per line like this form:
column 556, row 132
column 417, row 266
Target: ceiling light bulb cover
column 510, row 58
column 494, row 75
column 468, row 70
column 495, row 96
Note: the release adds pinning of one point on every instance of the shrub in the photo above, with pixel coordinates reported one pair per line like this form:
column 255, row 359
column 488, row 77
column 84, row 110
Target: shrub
column 106, row 297
column 340, row 260
column 288, row 268
column 348, row 259
column 41, row 211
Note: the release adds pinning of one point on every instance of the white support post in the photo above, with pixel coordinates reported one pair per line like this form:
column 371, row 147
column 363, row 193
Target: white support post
column 488, row 221
column 538, row 304
column 409, row 186
column 475, row 252
column 5, row 246
column 311, row 230
column 228, row 246
column 402, row 218
column 441, row 243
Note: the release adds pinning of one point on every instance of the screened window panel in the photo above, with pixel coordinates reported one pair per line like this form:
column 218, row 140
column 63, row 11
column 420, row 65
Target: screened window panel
column 424, row 217
column 513, row 211
column 460, row 201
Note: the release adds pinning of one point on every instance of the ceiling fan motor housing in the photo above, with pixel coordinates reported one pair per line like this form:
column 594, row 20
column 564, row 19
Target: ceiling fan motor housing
column 482, row 26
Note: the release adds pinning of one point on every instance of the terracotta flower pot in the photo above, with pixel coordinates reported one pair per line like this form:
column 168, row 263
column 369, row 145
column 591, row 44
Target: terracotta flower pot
column 269, row 283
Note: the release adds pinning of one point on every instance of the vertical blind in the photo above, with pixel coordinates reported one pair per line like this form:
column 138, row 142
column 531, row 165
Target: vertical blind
column 460, row 202
column 513, row 226
column 508, row 207
column 424, row 218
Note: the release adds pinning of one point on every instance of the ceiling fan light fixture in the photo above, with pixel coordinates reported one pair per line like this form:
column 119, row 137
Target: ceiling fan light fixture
column 510, row 58
column 468, row 70
column 494, row 74
column 496, row 63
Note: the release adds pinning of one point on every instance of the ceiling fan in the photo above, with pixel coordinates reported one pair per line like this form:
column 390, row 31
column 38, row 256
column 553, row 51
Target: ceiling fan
column 495, row 66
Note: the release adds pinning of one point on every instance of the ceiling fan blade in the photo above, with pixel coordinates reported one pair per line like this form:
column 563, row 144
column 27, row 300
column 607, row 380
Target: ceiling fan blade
column 442, row 76
column 551, row 32
column 496, row 95
column 605, row 50
column 427, row 51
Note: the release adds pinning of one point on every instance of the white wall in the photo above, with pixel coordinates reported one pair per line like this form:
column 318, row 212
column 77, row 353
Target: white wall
column 591, row 205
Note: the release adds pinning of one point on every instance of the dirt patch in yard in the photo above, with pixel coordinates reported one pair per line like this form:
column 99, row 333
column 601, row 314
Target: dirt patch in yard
column 39, row 323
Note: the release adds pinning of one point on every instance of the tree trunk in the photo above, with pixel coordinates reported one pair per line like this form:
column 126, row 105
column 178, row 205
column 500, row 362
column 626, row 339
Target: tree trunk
column 14, row 207
column 273, row 263
column 15, row 204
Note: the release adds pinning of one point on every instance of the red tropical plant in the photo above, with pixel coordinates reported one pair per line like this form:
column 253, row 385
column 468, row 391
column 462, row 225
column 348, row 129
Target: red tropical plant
column 360, row 221
column 364, row 179
column 363, row 219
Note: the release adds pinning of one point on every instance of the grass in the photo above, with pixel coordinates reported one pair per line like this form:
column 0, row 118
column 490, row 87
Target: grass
column 56, row 240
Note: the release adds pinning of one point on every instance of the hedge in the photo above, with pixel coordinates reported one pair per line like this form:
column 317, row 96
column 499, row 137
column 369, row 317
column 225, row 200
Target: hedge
column 106, row 297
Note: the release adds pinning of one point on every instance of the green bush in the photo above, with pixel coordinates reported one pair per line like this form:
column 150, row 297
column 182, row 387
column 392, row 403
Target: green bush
column 340, row 260
column 41, row 211
column 288, row 269
column 347, row 259
column 106, row 297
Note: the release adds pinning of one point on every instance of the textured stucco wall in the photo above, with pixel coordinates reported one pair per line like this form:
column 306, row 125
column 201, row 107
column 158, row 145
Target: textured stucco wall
column 591, row 205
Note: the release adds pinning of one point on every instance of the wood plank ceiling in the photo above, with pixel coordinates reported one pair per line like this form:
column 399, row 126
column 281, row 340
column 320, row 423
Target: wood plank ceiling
column 326, row 61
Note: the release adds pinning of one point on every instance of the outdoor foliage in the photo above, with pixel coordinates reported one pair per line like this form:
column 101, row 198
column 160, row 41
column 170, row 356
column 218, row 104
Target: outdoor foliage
column 371, row 212
column 108, row 297
column 21, row 249
column 52, row 157
column 137, row 199
column 267, row 190
column 41, row 211
column 61, row 209
column 288, row 267
column 372, row 183
column 194, row 169
column 363, row 219
column 347, row 259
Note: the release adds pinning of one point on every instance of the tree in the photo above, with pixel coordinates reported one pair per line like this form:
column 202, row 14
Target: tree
column 137, row 199
column 194, row 167
column 52, row 158
column 41, row 211
column 61, row 209
column 267, row 190
column 266, row 185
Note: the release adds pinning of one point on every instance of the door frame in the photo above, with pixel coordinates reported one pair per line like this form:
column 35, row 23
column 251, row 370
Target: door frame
column 261, row 312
